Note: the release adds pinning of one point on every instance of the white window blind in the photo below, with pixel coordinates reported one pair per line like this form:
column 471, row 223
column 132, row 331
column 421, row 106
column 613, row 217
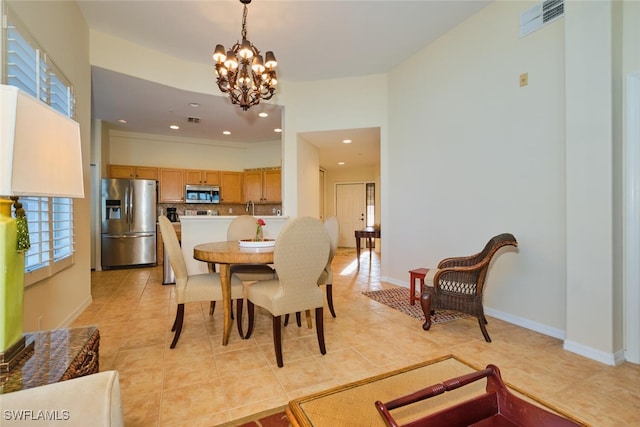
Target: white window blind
column 51, row 229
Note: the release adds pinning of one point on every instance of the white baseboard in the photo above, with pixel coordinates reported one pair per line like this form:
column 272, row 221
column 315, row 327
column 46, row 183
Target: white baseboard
column 591, row 353
column 75, row 313
column 597, row 355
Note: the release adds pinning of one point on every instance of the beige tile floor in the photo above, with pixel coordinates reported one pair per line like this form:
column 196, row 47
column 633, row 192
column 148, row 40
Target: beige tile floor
column 202, row 383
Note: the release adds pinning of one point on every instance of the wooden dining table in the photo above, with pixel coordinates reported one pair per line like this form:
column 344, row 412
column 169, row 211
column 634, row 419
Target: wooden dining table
column 224, row 254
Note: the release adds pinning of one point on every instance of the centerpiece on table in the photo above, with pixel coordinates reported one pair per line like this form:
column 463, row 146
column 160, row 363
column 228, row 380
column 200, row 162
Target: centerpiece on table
column 258, row 241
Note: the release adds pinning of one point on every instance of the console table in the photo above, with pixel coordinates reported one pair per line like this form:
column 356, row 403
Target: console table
column 368, row 233
column 58, row 355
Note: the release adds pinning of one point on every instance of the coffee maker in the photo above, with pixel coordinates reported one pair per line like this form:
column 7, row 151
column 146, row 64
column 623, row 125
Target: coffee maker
column 172, row 214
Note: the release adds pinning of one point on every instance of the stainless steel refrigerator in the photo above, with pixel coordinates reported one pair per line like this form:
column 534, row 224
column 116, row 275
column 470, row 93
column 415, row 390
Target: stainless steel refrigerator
column 128, row 210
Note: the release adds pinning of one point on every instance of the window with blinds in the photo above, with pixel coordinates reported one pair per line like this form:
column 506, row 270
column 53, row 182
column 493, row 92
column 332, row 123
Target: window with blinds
column 371, row 204
column 50, row 219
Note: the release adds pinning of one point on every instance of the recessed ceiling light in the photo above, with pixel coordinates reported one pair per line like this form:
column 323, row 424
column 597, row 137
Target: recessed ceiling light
column 346, row 141
column 340, row 163
column 122, row 121
column 226, row 132
column 174, row 127
column 277, row 130
column 263, row 114
column 194, row 104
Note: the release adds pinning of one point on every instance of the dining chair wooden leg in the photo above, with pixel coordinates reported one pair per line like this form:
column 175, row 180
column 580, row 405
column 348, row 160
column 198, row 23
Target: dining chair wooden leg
column 212, row 308
column 177, row 325
column 330, row 299
column 320, row 329
column 298, row 319
column 251, row 315
column 277, row 340
column 239, row 304
column 307, row 315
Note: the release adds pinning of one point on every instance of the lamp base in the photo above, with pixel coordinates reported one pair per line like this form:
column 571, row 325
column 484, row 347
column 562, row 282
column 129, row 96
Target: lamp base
column 14, row 354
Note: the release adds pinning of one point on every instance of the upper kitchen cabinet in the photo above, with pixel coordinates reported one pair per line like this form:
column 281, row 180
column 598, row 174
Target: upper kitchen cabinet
column 171, row 185
column 263, row 186
column 128, row 171
column 199, row 177
column 231, row 187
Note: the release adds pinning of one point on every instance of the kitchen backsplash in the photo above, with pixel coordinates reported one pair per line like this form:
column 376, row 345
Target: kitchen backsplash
column 226, row 209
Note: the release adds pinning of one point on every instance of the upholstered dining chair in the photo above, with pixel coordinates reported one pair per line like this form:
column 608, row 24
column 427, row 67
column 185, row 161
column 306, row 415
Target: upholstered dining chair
column 300, row 255
column 458, row 283
column 244, row 227
column 194, row 287
column 326, row 278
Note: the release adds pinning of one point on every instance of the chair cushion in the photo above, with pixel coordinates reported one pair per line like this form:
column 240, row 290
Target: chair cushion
column 207, row 287
column 253, row 272
column 428, row 278
column 264, row 294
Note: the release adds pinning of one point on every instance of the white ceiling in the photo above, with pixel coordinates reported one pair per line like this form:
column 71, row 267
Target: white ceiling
column 312, row 40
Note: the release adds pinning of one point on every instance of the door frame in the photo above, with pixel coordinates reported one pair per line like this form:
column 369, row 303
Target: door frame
column 632, row 222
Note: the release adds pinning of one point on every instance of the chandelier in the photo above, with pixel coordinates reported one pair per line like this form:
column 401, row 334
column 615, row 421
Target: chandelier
column 242, row 72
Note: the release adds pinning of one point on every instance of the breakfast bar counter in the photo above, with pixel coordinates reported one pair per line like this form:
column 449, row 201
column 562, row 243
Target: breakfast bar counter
column 198, row 229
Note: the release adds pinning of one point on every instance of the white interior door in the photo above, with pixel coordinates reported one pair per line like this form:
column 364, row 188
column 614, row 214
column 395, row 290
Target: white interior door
column 350, row 210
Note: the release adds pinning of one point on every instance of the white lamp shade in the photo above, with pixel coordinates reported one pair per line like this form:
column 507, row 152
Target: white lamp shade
column 40, row 148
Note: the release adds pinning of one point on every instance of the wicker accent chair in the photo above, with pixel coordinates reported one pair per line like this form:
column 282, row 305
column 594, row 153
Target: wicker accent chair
column 300, row 255
column 195, row 287
column 458, row 283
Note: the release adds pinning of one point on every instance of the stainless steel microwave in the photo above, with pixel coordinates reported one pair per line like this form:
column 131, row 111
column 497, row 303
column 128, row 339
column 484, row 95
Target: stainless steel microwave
column 202, row 194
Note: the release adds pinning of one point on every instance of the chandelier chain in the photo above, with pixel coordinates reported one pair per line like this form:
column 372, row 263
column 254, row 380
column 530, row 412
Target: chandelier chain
column 244, row 23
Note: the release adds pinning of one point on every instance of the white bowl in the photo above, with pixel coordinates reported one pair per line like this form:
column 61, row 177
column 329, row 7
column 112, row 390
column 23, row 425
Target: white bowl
column 250, row 243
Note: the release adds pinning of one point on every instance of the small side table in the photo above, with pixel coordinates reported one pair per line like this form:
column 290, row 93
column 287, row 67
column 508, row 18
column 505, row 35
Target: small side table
column 368, row 233
column 418, row 273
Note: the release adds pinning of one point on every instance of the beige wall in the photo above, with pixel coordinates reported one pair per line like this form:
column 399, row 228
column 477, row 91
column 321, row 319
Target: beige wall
column 130, row 148
column 61, row 31
column 324, row 105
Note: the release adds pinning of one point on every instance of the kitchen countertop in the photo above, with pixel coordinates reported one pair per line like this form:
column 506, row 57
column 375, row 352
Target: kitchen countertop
column 197, row 229
column 220, row 217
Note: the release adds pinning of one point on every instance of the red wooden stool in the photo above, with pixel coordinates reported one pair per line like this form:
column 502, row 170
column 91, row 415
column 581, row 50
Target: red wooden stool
column 418, row 273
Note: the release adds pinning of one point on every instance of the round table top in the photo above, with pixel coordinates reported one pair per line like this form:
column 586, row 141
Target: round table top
column 230, row 252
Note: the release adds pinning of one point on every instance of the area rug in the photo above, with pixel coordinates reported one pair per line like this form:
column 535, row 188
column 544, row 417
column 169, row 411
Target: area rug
column 398, row 298
column 345, row 251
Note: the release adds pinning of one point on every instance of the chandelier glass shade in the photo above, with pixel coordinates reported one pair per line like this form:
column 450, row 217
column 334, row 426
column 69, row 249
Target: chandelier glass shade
column 243, row 73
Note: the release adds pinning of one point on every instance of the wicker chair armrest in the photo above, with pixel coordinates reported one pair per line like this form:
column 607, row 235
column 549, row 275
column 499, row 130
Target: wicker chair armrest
column 461, row 261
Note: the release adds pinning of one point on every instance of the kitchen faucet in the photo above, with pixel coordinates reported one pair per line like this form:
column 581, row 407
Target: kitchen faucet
column 253, row 208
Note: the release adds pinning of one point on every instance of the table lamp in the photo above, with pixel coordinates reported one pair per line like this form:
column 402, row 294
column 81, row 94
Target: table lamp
column 40, row 155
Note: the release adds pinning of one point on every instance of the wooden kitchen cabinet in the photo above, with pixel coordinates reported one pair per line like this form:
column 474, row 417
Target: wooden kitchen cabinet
column 128, row 171
column 230, row 187
column 200, row 177
column 171, row 185
column 263, row 186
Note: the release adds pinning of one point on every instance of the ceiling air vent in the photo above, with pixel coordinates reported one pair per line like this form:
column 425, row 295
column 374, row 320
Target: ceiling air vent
column 193, row 119
column 540, row 15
